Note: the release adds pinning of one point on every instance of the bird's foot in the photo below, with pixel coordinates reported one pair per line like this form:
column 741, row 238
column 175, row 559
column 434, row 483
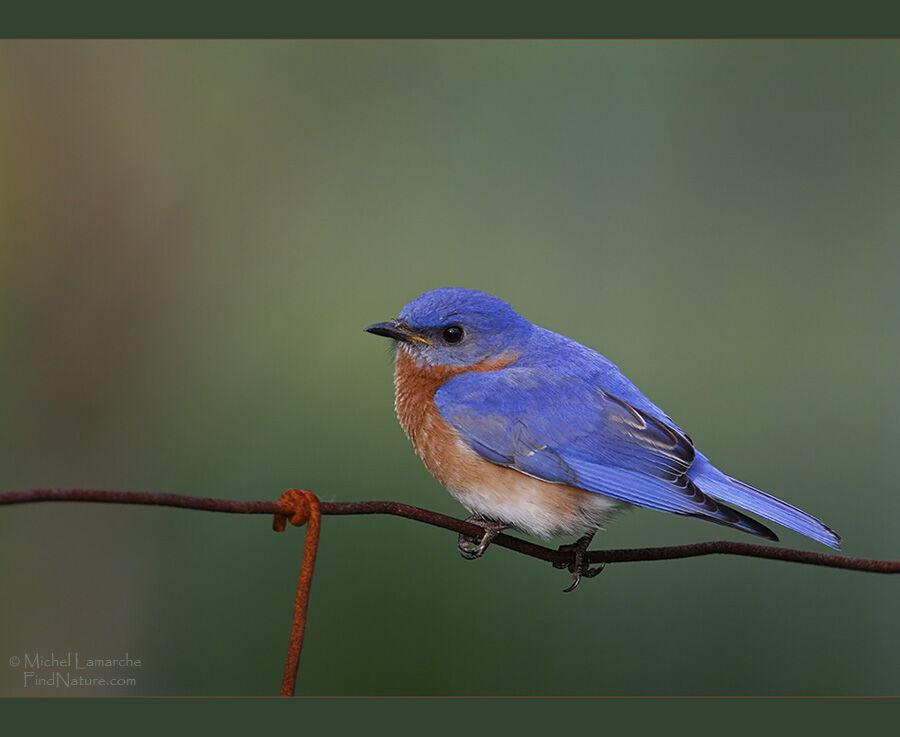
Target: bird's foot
column 471, row 547
column 579, row 566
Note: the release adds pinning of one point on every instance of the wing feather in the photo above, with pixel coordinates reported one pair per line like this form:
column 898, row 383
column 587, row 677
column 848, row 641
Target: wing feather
column 564, row 429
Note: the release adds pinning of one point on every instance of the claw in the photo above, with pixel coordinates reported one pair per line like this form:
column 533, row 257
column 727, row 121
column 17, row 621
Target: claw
column 467, row 546
column 465, row 552
column 578, row 566
column 585, row 572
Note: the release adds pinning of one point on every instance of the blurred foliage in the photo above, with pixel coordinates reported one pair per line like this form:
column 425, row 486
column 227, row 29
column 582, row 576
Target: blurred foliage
column 194, row 234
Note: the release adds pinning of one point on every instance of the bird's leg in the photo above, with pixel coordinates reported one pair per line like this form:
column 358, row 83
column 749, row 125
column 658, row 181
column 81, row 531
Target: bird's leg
column 470, row 547
column 579, row 565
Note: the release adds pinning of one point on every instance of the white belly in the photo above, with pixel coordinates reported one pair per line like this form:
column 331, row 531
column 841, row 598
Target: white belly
column 537, row 507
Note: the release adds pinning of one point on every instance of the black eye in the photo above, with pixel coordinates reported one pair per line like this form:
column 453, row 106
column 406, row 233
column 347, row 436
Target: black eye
column 452, row 334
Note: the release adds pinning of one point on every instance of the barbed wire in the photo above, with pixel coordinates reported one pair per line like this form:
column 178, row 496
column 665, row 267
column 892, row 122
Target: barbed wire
column 302, row 507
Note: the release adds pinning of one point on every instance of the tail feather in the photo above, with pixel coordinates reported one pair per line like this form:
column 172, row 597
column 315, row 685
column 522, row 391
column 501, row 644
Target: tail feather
column 738, row 521
column 719, row 486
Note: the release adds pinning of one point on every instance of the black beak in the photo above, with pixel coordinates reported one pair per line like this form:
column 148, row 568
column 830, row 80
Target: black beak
column 390, row 329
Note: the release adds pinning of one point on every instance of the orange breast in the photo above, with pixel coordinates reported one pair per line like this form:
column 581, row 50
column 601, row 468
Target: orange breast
column 414, row 386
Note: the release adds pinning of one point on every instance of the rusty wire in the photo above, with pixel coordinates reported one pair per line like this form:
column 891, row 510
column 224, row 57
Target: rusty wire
column 302, row 507
column 305, row 511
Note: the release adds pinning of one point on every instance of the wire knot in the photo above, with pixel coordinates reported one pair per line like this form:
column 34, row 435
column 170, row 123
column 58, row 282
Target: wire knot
column 296, row 506
column 301, row 507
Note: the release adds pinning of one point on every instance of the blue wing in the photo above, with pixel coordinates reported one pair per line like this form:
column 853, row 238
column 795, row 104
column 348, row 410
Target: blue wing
column 565, row 429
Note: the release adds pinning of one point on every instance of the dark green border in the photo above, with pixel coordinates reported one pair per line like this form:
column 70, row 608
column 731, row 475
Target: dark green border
column 462, row 19
column 729, row 716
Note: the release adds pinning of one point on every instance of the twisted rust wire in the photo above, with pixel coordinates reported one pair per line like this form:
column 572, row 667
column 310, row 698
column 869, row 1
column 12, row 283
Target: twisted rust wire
column 304, row 508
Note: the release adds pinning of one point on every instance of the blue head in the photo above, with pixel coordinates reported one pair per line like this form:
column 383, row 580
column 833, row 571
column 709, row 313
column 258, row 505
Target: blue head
column 456, row 327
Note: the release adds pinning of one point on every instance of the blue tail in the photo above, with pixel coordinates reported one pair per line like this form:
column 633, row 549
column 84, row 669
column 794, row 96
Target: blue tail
column 719, row 486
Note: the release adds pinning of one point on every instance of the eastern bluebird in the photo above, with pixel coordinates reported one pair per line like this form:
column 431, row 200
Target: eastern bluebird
column 531, row 430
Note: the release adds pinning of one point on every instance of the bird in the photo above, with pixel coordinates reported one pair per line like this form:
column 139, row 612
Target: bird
column 529, row 429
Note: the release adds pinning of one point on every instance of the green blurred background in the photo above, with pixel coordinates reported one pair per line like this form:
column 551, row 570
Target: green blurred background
column 194, row 234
